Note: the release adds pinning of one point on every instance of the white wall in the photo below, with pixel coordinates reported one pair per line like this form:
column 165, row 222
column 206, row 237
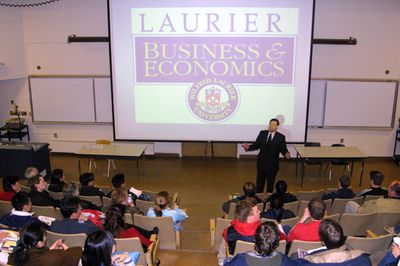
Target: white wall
column 373, row 23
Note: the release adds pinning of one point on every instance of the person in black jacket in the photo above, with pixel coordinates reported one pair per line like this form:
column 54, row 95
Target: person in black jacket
column 87, row 186
column 57, row 180
column 249, row 191
column 344, row 192
column 39, row 196
column 277, row 210
column 375, row 189
column 280, row 190
column 270, row 143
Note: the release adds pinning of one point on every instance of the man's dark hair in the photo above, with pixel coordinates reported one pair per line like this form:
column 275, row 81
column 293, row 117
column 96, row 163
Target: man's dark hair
column 331, row 234
column 281, row 187
column 344, row 181
column 85, row 178
column 19, row 200
column 376, row 177
column 249, row 189
column 69, row 205
column 56, row 176
column 243, row 209
column 266, row 238
column 8, row 181
column 317, row 209
column 274, row 120
column 118, row 180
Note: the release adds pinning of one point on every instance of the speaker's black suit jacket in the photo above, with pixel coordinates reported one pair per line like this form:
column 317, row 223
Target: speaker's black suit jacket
column 268, row 157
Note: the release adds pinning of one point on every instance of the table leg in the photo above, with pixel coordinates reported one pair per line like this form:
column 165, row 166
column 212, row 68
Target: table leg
column 297, row 159
column 79, row 165
column 362, row 172
column 302, row 173
column 351, row 169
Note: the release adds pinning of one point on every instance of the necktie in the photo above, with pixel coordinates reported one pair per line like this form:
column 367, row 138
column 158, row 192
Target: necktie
column 269, row 139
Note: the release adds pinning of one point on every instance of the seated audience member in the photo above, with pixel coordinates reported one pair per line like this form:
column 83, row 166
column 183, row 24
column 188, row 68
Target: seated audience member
column 331, row 235
column 392, row 258
column 87, row 186
column 162, row 208
column 244, row 225
column 121, row 196
column 280, row 190
column 115, row 223
column 118, row 181
column 74, row 222
column 21, row 214
column 31, row 249
column 57, row 180
column 100, row 249
column 389, row 204
column 39, row 196
column 266, row 241
column 11, row 185
column 376, row 179
column 344, row 192
column 31, row 172
column 309, row 231
column 249, row 191
column 70, row 189
column 277, row 210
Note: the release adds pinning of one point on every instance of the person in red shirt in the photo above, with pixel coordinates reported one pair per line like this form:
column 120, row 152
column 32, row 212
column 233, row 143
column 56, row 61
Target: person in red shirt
column 11, row 186
column 309, row 231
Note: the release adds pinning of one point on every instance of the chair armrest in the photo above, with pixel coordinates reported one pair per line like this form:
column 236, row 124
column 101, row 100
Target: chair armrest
column 178, row 239
column 212, row 232
column 230, row 197
column 152, row 250
column 176, row 198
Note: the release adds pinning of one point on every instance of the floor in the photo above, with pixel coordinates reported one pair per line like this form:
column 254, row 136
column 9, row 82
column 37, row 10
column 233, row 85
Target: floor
column 205, row 183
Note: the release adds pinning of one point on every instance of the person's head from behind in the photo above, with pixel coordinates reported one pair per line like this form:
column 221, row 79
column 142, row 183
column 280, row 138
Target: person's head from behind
column 71, row 208
column 344, row 181
column 70, row 189
column 32, row 235
column 331, row 234
column 86, row 179
column 31, row 172
column 394, row 189
column 281, row 187
column 276, row 205
column 21, row 202
column 57, row 176
column 266, row 238
column 249, row 189
column 247, row 211
column 376, row 178
column 98, row 249
column 11, row 184
column 120, row 196
column 273, row 125
column 317, row 209
column 37, row 183
column 118, row 180
column 162, row 201
column 115, row 218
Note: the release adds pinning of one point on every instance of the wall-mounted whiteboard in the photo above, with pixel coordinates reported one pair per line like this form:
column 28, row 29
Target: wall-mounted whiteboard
column 71, row 99
column 336, row 103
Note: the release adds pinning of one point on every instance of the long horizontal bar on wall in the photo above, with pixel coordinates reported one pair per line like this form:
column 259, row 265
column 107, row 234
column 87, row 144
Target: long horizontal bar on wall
column 349, row 41
column 74, row 38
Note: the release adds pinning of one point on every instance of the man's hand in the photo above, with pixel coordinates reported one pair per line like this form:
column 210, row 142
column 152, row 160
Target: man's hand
column 287, row 155
column 58, row 244
column 245, row 146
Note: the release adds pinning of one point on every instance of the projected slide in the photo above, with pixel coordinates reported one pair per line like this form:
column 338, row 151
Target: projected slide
column 213, row 71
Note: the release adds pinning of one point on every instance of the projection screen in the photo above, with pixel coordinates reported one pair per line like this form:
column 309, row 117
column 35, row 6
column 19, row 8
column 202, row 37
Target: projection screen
column 209, row 70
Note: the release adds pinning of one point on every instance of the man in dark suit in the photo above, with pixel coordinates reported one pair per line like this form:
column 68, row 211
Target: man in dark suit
column 271, row 143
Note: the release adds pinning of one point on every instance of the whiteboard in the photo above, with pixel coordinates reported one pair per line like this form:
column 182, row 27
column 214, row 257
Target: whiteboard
column 71, row 99
column 317, row 103
column 360, row 104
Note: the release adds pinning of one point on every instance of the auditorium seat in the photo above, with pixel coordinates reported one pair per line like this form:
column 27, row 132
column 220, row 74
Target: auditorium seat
column 56, row 195
column 5, row 208
column 291, row 221
column 144, row 206
column 357, row 224
column 338, row 205
column 292, row 206
column 96, row 200
column 133, row 244
column 49, row 211
column 371, row 197
column 242, row 246
column 71, row 240
column 385, row 219
column 305, row 245
column 376, row 247
column 217, row 227
column 308, row 195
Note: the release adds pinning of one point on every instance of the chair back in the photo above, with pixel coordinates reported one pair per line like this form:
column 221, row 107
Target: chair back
column 71, row 240
column 291, row 221
column 376, row 247
column 328, row 204
column 231, row 213
column 152, row 194
column 371, row 197
column 131, row 244
column 144, row 206
column 5, row 207
column 292, row 206
column 385, row 219
column 96, row 200
column 242, row 246
column 103, row 141
column 128, row 218
column 49, row 211
column 56, row 195
column 106, row 201
column 105, row 189
column 309, row 195
column 168, row 237
column 25, row 189
column 357, row 224
column 304, row 245
column 334, row 217
column 338, row 205
column 217, row 227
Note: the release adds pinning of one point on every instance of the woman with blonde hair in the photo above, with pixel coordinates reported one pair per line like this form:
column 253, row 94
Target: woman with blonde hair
column 121, row 196
column 162, row 208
